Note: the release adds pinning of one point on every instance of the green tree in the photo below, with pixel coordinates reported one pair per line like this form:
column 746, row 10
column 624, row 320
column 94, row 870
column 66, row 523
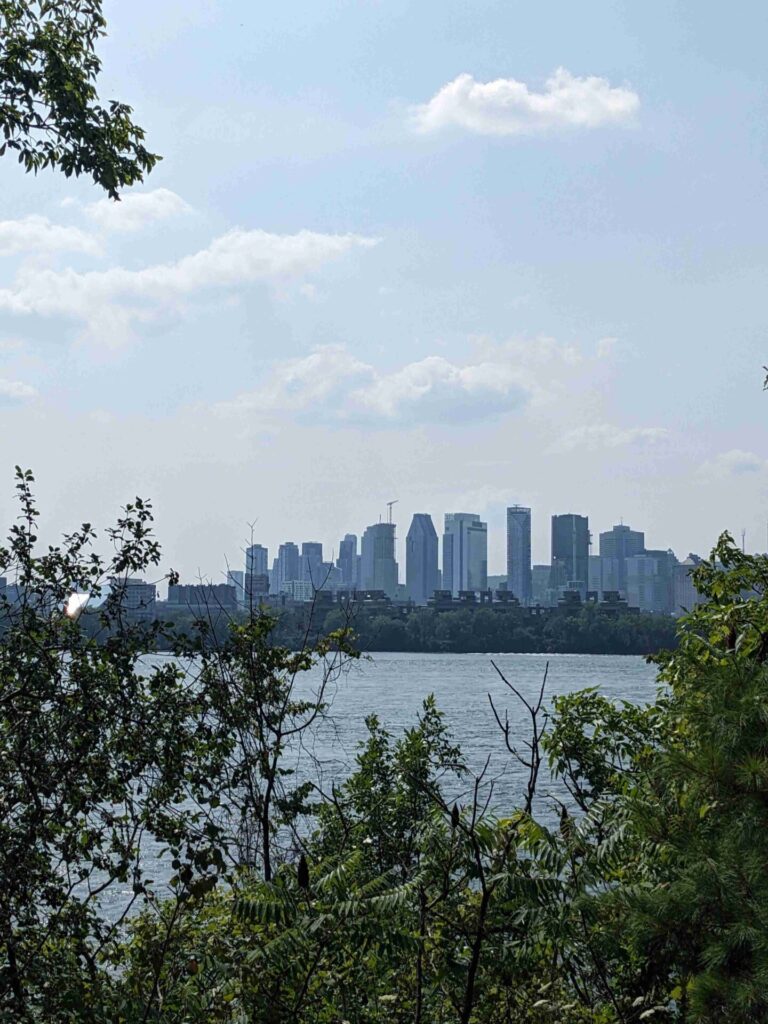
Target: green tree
column 50, row 113
column 98, row 750
column 704, row 809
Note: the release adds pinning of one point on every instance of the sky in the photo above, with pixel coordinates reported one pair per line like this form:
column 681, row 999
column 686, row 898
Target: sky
column 457, row 255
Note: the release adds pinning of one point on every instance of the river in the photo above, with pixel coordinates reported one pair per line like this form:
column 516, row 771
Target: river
column 393, row 686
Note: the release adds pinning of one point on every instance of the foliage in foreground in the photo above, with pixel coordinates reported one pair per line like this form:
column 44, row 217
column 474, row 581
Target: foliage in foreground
column 629, row 885
column 49, row 110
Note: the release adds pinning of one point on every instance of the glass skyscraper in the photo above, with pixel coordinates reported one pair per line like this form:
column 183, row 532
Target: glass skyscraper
column 519, row 580
column 378, row 565
column 421, row 572
column 570, row 550
column 465, row 553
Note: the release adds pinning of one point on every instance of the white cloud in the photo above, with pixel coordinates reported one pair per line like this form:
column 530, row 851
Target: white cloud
column 435, row 389
column 598, row 436
column 333, row 386
column 136, row 210
column 733, row 463
column 507, row 107
column 15, row 391
column 38, row 234
column 110, row 301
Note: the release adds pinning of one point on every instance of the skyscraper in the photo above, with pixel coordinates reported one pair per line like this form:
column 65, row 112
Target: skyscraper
column 256, row 566
column 287, row 564
column 236, row 579
column 541, row 583
column 421, row 572
column 378, row 566
column 465, row 552
column 256, row 560
column 570, row 550
column 616, row 546
column 519, row 553
column 347, row 561
column 650, row 581
column 311, row 569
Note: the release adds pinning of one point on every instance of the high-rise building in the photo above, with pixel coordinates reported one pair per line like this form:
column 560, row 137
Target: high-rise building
column 540, row 585
column 330, row 577
column 311, row 570
column 236, row 579
column 685, row 596
column 465, row 552
column 347, row 561
column 570, row 550
column 421, row 572
column 256, row 560
column 616, row 546
column 650, row 581
column 378, row 565
column 287, row 564
column 256, row 565
column 519, row 579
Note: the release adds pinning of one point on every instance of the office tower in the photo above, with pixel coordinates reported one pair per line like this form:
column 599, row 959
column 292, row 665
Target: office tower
column 465, row 552
column 256, row 563
column 570, row 550
column 287, row 564
column 616, row 546
column 236, row 579
column 421, row 575
column 519, row 580
column 685, row 596
column 311, row 563
column 540, row 585
column 347, row 561
column 595, row 576
column 330, row 577
column 256, row 560
column 650, row 581
column 378, row 566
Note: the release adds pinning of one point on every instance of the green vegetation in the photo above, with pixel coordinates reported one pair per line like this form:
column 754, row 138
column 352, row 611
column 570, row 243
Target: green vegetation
column 588, row 631
column 482, row 631
column 49, row 110
column 629, row 884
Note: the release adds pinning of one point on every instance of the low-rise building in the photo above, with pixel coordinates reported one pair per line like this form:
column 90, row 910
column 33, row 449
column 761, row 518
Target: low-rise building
column 136, row 598
column 197, row 596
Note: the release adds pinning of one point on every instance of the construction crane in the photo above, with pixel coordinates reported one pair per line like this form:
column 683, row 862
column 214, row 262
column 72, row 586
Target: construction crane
column 389, row 509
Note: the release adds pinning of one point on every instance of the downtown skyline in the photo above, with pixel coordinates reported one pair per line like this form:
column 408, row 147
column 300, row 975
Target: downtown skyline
column 454, row 559
column 496, row 536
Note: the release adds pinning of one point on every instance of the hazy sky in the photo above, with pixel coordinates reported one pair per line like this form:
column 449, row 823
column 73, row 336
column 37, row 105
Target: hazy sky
column 456, row 254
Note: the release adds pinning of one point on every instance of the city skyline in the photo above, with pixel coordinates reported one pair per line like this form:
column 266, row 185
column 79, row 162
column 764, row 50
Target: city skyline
column 600, row 541
column 615, row 560
column 623, row 570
